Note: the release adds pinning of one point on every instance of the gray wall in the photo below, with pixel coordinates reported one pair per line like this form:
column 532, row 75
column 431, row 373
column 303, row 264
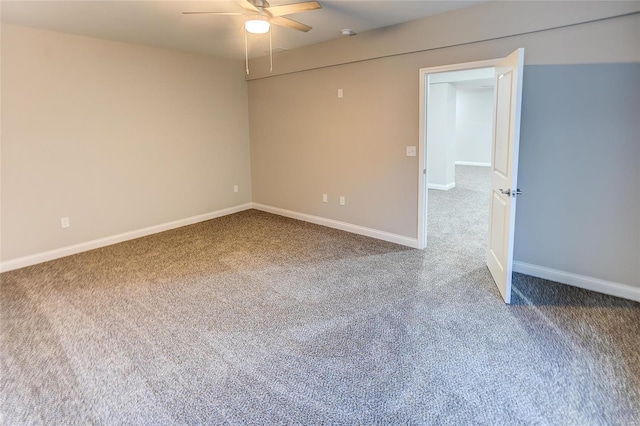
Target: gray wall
column 580, row 170
column 305, row 141
column 115, row 137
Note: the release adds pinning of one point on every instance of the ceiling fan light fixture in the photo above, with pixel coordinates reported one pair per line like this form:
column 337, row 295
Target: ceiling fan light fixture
column 257, row 26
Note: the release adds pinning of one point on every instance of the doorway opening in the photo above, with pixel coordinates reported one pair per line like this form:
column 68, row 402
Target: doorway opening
column 460, row 107
column 507, row 107
column 457, row 103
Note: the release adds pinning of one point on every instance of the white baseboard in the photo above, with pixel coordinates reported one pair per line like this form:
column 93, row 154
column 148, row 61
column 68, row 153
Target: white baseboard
column 588, row 283
column 471, row 163
column 441, row 187
column 344, row 226
column 21, row 262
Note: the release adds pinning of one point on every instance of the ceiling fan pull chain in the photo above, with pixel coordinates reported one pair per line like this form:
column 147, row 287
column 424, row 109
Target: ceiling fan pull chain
column 270, row 51
column 246, row 51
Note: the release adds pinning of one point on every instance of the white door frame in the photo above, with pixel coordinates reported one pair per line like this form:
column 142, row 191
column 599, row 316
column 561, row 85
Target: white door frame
column 422, row 143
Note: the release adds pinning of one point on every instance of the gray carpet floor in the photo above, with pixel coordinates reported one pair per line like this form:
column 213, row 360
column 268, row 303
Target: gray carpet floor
column 258, row 319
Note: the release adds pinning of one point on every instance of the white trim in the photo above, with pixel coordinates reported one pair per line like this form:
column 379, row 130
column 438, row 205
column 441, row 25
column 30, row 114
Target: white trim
column 441, row 187
column 588, row 283
column 34, row 259
column 344, row 226
column 422, row 164
column 471, row 163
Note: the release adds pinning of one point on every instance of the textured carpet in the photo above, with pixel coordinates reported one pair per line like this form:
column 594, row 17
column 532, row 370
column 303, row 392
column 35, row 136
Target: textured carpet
column 458, row 219
column 258, row 319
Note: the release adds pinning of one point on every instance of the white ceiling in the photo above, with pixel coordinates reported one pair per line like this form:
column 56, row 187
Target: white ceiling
column 161, row 24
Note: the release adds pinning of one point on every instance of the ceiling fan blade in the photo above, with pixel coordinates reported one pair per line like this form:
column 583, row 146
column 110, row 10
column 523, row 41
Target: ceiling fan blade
column 288, row 9
column 214, row 13
column 246, row 4
column 289, row 23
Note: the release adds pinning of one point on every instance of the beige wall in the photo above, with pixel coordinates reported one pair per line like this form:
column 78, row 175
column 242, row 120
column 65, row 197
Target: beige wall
column 115, row 136
column 119, row 137
column 305, row 141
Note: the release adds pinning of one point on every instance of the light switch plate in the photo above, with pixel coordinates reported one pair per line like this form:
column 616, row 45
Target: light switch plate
column 411, row 151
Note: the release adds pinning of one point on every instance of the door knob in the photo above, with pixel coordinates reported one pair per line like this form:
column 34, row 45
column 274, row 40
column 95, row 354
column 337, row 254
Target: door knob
column 510, row 192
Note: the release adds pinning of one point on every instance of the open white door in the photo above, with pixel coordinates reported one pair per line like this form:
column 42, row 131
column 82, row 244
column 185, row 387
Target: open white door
column 504, row 170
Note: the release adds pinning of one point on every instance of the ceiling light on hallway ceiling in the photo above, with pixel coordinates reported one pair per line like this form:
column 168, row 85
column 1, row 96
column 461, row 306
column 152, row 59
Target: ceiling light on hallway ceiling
column 347, row 32
column 257, row 26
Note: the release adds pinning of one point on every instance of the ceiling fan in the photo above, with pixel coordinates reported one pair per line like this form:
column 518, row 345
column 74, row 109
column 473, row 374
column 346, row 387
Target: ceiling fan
column 260, row 15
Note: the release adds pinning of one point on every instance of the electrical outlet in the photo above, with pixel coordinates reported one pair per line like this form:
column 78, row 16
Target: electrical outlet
column 325, row 198
column 411, row 151
column 235, row 188
column 64, row 222
column 342, row 201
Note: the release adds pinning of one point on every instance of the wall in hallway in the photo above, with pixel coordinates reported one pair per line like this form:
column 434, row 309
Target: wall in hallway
column 474, row 125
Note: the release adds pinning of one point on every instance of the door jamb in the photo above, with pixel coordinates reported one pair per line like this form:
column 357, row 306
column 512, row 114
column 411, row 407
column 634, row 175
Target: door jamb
column 422, row 143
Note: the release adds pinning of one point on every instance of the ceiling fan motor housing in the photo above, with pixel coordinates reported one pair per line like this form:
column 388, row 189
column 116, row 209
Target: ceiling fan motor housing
column 259, row 3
